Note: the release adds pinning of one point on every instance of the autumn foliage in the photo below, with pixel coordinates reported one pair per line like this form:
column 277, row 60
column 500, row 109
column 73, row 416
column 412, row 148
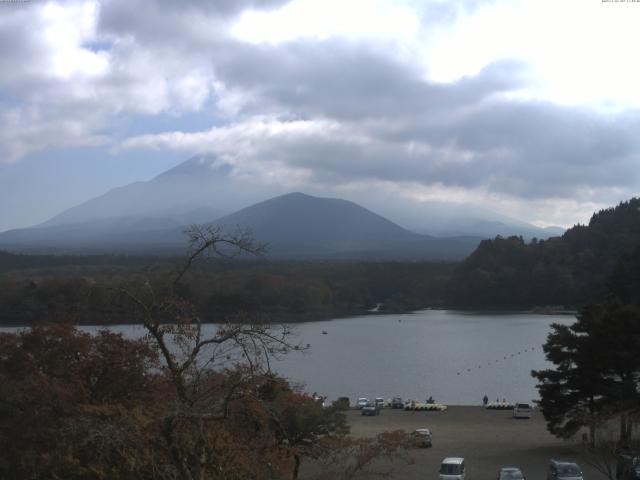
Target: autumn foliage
column 73, row 405
column 185, row 401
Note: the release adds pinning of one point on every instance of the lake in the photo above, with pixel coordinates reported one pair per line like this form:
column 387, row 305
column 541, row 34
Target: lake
column 456, row 357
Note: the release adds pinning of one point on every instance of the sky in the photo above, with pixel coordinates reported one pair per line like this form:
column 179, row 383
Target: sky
column 526, row 108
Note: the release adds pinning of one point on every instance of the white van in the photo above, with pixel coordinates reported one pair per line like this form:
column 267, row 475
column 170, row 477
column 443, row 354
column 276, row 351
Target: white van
column 522, row 410
column 452, row 468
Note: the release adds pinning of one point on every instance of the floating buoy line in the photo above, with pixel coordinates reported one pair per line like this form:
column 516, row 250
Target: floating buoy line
column 490, row 363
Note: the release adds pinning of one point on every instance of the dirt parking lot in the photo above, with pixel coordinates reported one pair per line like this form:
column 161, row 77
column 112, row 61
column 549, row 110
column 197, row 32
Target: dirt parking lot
column 487, row 439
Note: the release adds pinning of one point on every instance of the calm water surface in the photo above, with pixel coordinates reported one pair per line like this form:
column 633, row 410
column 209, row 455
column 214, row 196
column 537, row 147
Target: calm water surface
column 456, row 357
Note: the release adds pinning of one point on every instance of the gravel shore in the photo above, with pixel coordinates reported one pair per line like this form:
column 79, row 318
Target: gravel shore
column 487, row 439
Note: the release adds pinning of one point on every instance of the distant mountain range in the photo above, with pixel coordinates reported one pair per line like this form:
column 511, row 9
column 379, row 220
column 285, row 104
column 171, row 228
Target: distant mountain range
column 151, row 217
column 293, row 225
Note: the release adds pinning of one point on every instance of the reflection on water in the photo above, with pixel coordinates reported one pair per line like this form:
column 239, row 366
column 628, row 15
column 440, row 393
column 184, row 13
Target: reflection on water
column 455, row 357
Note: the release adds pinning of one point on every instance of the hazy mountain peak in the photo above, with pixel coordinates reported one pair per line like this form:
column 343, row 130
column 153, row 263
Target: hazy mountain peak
column 196, row 184
column 203, row 189
column 294, row 195
column 197, row 166
column 306, row 199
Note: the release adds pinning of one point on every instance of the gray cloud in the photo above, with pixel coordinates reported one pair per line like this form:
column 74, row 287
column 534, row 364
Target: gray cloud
column 392, row 124
column 192, row 26
column 350, row 81
column 522, row 148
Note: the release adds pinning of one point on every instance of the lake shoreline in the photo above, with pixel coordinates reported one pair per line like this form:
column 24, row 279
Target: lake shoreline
column 327, row 317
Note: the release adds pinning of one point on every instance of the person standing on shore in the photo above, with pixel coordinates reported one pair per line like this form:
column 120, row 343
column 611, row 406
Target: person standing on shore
column 485, row 400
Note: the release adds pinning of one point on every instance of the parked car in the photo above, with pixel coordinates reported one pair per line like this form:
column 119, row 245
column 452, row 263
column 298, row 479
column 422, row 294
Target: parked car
column 511, row 473
column 627, row 467
column 362, row 401
column 559, row 470
column 396, row 402
column 452, row 468
column 421, row 437
column 522, row 410
column 370, row 409
column 379, row 401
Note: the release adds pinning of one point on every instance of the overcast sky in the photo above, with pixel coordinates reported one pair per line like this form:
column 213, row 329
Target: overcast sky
column 527, row 108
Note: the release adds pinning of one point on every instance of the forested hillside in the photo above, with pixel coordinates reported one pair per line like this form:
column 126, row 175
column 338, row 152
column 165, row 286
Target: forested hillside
column 278, row 291
column 570, row 270
column 567, row 271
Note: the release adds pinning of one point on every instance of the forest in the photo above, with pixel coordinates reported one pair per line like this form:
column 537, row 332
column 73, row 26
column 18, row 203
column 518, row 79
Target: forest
column 278, row 290
column 567, row 271
column 503, row 273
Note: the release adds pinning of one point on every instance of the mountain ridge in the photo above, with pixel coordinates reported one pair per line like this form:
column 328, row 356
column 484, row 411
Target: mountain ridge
column 294, row 225
column 204, row 189
column 206, row 182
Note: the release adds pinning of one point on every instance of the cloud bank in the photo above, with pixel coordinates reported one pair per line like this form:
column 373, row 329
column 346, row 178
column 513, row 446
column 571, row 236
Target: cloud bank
column 339, row 99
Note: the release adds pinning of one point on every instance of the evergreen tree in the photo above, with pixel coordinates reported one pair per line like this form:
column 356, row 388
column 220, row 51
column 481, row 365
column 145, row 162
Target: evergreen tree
column 597, row 370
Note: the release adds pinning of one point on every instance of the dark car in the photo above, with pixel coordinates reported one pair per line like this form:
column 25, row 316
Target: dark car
column 370, row 409
column 396, row 402
column 559, row 470
column 511, row 473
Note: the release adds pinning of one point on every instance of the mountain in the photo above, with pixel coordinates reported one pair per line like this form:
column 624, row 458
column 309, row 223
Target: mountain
column 569, row 270
column 198, row 190
column 493, row 228
column 447, row 219
column 297, row 218
column 204, row 188
column 305, row 226
column 554, row 231
column 293, row 225
column 150, row 217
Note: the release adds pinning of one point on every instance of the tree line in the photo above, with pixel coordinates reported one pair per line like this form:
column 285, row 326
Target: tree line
column 290, row 291
column 570, row 271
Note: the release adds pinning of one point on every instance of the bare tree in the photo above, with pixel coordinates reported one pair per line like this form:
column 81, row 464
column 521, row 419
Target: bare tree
column 192, row 353
column 213, row 369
